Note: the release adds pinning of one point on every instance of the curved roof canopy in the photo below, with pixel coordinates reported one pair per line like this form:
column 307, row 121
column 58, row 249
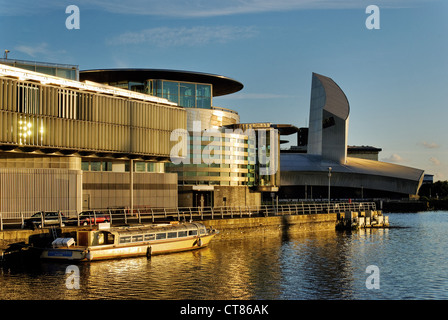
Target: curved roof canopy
column 336, row 101
column 301, row 169
column 221, row 85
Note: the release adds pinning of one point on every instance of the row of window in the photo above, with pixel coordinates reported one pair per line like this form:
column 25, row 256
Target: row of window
column 222, row 138
column 185, row 94
column 160, row 236
column 138, row 166
column 63, row 71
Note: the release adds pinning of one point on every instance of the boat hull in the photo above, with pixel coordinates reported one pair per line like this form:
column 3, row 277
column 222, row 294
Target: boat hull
column 93, row 253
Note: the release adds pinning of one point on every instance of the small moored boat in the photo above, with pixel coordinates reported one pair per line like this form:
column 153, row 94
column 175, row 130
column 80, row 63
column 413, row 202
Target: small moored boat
column 122, row 242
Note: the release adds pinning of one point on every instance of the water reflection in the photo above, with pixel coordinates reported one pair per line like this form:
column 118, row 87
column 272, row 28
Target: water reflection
column 323, row 265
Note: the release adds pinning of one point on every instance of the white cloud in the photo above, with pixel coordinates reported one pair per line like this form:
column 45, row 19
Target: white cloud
column 430, row 145
column 394, row 158
column 440, row 176
column 242, row 95
column 184, row 36
column 193, row 8
column 213, row 8
column 435, row 161
column 41, row 50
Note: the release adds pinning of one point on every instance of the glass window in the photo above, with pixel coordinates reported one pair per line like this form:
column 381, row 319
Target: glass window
column 170, row 88
column 64, row 73
column 140, row 166
column 187, row 89
column 161, row 236
column 192, row 232
column 172, row 98
column 172, row 235
column 95, row 166
column 182, row 234
column 171, row 91
column 85, row 166
column 158, row 88
column 137, row 86
column 187, row 101
column 107, row 166
column 205, row 103
column 25, row 66
column 204, row 90
column 47, row 70
column 187, row 92
column 150, row 236
column 125, row 239
column 203, row 96
column 149, row 87
column 137, row 238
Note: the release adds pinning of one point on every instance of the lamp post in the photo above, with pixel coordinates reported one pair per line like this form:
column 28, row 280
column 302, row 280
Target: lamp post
column 329, row 178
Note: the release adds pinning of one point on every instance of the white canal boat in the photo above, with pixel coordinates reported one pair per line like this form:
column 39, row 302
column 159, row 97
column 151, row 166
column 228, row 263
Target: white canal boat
column 122, row 242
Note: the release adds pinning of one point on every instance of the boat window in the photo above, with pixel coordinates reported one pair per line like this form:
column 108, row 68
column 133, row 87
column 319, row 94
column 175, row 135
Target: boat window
column 110, row 238
column 192, row 232
column 202, row 231
column 172, row 235
column 137, row 238
column 125, row 239
column 160, row 236
column 150, row 236
column 182, row 234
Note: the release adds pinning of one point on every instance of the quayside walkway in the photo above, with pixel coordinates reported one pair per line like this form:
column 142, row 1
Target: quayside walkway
column 245, row 220
column 120, row 216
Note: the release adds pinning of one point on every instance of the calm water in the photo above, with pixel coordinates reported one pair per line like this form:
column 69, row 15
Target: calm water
column 412, row 264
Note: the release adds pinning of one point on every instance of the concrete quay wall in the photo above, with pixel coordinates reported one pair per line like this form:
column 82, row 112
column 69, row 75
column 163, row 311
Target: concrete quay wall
column 228, row 228
column 276, row 225
column 8, row 237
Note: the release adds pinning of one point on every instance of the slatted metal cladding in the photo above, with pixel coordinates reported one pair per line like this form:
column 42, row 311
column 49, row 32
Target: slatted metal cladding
column 44, row 116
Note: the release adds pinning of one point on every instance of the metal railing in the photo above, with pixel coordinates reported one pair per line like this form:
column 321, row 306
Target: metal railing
column 123, row 216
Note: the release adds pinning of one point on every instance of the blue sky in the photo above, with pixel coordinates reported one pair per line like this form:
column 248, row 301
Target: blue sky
column 395, row 78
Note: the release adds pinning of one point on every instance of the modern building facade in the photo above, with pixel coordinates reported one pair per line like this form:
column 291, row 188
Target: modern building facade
column 128, row 138
column 329, row 117
column 324, row 162
column 220, row 164
column 71, row 145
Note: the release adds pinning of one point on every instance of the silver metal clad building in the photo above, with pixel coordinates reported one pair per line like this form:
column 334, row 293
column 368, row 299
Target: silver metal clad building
column 327, row 148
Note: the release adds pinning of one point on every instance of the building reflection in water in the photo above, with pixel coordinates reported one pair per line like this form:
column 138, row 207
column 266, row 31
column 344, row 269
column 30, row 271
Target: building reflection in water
column 299, row 266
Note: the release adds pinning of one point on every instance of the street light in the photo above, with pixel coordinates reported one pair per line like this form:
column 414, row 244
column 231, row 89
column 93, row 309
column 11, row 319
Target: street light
column 329, row 177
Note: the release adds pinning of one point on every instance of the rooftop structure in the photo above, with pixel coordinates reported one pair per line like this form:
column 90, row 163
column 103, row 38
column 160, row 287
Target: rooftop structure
column 67, row 71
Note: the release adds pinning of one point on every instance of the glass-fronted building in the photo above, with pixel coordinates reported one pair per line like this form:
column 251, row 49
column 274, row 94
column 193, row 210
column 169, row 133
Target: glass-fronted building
column 185, row 94
column 66, row 71
column 221, row 165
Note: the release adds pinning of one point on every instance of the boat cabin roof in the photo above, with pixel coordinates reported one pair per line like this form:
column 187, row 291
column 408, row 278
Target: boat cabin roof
column 154, row 228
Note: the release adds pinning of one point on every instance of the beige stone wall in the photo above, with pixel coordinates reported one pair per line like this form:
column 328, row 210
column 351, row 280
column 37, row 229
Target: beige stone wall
column 276, row 225
column 236, row 196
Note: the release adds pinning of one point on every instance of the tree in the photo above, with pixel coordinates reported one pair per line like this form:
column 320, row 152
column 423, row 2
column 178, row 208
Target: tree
column 435, row 190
